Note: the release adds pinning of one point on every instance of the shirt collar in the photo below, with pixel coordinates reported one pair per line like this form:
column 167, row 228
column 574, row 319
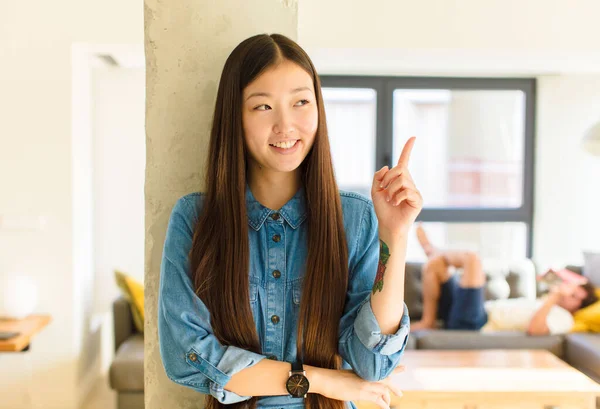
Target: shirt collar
column 293, row 212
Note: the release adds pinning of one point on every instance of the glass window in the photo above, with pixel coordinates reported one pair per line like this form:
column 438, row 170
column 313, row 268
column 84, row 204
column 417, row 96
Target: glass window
column 351, row 120
column 473, row 160
column 499, row 241
column 470, row 145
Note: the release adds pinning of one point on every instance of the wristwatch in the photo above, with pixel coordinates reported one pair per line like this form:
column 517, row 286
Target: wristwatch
column 297, row 384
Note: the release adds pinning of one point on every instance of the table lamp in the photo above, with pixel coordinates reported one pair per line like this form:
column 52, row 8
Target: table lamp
column 18, row 296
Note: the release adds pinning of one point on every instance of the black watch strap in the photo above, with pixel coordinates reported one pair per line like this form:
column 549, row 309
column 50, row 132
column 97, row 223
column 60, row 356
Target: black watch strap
column 297, row 366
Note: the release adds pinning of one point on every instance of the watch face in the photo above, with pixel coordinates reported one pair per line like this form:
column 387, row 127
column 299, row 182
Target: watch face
column 297, row 385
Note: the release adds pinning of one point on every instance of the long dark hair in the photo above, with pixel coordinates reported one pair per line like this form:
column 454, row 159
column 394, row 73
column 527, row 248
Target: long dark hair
column 219, row 257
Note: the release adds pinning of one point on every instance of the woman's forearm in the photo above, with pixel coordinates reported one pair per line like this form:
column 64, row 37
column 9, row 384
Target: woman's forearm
column 268, row 378
column 387, row 299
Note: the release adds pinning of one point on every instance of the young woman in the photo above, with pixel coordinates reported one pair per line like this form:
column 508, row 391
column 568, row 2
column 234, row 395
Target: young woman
column 273, row 261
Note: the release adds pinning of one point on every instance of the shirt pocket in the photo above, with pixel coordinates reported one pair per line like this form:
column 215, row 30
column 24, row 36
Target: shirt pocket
column 253, row 290
column 297, row 291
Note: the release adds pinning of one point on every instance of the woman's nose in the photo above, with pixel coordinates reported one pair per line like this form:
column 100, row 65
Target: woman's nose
column 283, row 125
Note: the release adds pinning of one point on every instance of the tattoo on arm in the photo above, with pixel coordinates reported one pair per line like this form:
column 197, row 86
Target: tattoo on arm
column 384, row 255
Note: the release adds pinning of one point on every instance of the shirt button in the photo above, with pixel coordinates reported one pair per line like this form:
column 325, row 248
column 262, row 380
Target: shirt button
column 276, row 273
column 276, row 238
column 275, row 319
column 275, row 216
column 193, row 357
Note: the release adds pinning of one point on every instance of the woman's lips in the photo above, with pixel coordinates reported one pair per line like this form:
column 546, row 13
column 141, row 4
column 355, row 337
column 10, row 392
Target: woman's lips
column 287, row 151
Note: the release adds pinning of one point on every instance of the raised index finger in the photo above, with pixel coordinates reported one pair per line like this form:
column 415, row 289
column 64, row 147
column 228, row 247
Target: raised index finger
column 405, row 155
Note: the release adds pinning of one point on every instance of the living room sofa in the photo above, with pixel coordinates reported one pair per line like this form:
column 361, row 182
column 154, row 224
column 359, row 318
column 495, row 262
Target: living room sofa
column 126, row 374
column 579, row 350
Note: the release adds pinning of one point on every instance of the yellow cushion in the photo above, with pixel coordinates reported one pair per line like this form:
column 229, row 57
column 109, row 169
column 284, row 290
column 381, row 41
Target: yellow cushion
column 588, row 319
column 133, row 291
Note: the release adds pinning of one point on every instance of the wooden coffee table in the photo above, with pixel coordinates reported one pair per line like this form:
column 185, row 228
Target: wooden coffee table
column 491, row 379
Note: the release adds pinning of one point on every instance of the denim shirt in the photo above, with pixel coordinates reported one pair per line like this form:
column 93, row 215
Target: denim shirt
column 192, row 356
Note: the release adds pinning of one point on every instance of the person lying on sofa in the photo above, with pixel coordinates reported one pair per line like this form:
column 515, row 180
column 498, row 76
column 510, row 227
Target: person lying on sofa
column 459, row 302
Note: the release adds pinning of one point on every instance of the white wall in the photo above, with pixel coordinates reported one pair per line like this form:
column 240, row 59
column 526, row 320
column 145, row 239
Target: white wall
column 567, row 200
column 115, row 216
column 435, row 24
column 119, row 164
column 36, row 176
column 464, row 37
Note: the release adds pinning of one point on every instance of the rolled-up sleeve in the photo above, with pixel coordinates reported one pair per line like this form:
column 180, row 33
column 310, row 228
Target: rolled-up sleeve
column 191, row 354
column 368, row 332
column 371, row 354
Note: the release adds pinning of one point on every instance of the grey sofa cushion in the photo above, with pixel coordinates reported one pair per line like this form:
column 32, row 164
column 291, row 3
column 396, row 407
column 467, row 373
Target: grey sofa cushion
column 446, row 339
column 591, row 268
column 127, row 369
column 583, row 352
column 521, row 279
column 122, row 321
column 413, row 290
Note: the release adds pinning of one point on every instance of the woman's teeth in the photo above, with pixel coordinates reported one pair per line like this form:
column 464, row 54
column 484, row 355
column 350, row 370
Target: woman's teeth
column 284, row 145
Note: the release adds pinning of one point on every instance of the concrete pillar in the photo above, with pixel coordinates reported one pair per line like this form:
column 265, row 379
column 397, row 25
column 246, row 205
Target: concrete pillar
column 186, row 43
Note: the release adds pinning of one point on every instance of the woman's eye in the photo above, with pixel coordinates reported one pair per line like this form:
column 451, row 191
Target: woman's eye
column 262, row 107
column 302, row 102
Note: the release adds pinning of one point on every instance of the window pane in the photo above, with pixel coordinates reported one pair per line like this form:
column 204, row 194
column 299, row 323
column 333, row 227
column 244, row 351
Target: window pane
column 470, row 145
column 351, row 114
column 502, row 241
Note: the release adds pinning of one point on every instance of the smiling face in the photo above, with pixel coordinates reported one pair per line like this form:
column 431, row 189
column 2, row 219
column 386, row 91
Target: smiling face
column 280, row 118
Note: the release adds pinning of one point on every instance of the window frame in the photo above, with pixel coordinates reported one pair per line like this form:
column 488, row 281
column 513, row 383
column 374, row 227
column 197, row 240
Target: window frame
column 384, row 86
